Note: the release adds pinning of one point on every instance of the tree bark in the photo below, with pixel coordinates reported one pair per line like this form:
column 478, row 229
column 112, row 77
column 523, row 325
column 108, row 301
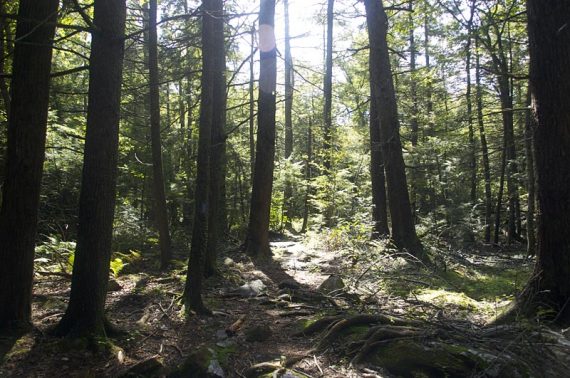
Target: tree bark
column 160, row 208
column 27, row 126
column 377, row 176
column 257, row 242
column 327, row 88
column 530, row 127
column 288, row 190
column 403, row 230
column 218, row 148
column 549, row 47
column 85, row 312
column 414, row 116
column 198, row 247
column 484, row 148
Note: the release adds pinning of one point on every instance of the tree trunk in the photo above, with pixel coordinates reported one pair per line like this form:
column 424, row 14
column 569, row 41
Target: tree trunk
column 414, row 117
column 379, row 211
column 403, row 230
column 25, row 157
column 308, row 174
column 252, row 105
column 471, row 131
column 160, row 212
column 85, row 312
column 288, row 191
column 257, row 242
column 198, row 247
column 327, row 88
column 218, row 148
column 549, row 47
column 484, row 148
column 530, row 127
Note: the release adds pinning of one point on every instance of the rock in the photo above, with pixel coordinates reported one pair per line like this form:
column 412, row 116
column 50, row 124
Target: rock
column 251, row 289
column 221, row 334
column 114, row 285
column 201, row 363
column 258, row 333
column 141, row 283
column 332, row 284
column 289, row 284
column 229, row 262
column 150, row 367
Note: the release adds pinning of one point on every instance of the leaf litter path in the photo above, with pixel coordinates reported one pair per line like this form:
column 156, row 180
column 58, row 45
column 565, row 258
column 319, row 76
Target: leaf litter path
column 148, row 309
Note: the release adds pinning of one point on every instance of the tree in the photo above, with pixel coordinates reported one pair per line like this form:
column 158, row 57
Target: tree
column 27, row 125
column 257, row 241
column 549, row 49
column 217, row 198
column 85, row 313
column 327, row 88
column 377, row 176
column 160, row 212
column 403, row 230
column 198, row 248
column 288, row 191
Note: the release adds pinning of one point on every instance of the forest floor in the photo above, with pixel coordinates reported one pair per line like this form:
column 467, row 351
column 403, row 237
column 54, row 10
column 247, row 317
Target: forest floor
column 259, row 308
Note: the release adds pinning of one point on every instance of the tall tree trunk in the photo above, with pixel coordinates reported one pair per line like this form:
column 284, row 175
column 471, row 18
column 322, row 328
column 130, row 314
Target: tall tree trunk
column 308, row 174
column 327, row 87
column 471, row 154
column 257, row 242
column 429, row 89
column 25, row 157
column 484, row 148
column 414, row 117
column 403, row 230
column 252, row 105
column 85, row 312
column 530, row 127
column 379, row 211
column 218, row 148
column 500, row 195
column 549, row 48
column 288, row 191
column 198, row 247
column 160, row 212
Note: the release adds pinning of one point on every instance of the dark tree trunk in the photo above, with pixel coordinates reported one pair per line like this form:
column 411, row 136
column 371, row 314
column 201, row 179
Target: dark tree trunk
column 379, row 211
column 484, row 149
column 308, row 175
column 257, row 242
column 85, row 312
column 327, row 87
column 500, row 196
column 530, row 127
column 549, row 46
column 403, row 230
column 218, row 148
column 288, row 191
column 198, row 248
column 252, row 106
column 160, row 212
column 25, row 157
column 414, row 117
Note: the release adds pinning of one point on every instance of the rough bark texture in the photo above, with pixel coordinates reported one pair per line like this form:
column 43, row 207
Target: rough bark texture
column 198, row 247
column 160, row 212
column 530, row 127
column 25, row 157
column 549, row 37
column 327, row 88
column 379, row 211
column 288, row 191
column 85, row 312
column 484, row 148
column 403, row 230
column 218, row 149
column 257, row 242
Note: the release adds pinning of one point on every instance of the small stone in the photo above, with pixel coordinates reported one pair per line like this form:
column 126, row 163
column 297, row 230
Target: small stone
column 258, row 333
column 114, row 285
column 251, row 289
column 229, row 262
column 221, row 334
column 332, row 284
column 289, row 284
column 215, row 370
